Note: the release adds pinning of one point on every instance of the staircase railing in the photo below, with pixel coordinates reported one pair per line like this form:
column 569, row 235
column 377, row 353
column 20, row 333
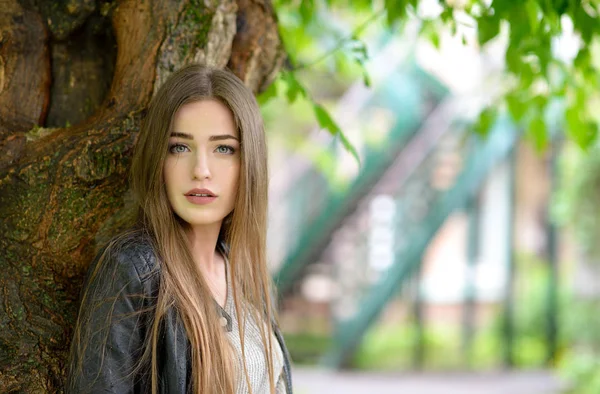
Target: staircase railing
column 421, row 205
column 316, row 207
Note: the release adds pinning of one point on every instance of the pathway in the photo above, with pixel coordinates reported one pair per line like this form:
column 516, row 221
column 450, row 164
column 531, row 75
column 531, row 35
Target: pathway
column 308, row 381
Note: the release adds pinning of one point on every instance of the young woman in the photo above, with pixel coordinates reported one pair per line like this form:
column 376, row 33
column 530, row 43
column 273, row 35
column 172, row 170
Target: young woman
column 182, row 303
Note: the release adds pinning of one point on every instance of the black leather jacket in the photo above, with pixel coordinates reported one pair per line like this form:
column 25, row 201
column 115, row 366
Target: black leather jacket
column 116, row 310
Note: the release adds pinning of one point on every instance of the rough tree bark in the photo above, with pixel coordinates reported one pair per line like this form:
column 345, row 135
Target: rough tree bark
column 75, row 78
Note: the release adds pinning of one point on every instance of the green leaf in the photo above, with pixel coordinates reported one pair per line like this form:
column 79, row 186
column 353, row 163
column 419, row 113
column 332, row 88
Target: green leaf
column 502, row 7
column 268, row 94
column 583, row 58
column 543, row 50
column 552, row 21
column 366, row 78
column 587, row 135
column 294, row 88
column 538, row 133
column 434, row 38
column 453, row 27
column 581, row 131
column 396, row 10
column 513, row 60
column 487, row 117
column 431, row 31
column 520, row 31
column 516, row 106
column 326, row 122
column 591, row 77
column 488, row 28
column 307, row 11
column 519, row 68
column 585, row 24
column 448, row 14
column 573, row 118
column 361, row 56
column 539, row 102
column 591, row 134
column 365, row 73
column 533, row 13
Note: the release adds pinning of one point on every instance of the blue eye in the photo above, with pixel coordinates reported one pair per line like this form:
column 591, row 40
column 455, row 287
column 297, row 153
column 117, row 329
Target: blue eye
column 225, row 149
column 178, row 148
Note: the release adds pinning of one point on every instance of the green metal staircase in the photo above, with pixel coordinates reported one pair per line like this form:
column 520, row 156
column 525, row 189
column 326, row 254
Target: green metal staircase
column 422, row 206
column 319, row 207
column 404, row 165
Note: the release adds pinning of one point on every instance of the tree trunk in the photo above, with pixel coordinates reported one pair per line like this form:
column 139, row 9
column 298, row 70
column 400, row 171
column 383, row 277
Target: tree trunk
column 75, row 79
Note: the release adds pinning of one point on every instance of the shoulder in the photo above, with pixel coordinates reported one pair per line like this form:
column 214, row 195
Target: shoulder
column 136, row 248
column 130, row 254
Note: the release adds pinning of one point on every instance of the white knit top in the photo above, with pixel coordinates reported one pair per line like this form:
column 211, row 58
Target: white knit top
column 254, row 351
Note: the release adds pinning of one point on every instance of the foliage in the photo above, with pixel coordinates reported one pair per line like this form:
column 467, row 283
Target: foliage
column 392, row 347
column 306, row 348
column 576, row 200
column 530, row 308
column 534, row 33
column 580, row 366
column 305, row 34
column 575, row 205
column 582, row 372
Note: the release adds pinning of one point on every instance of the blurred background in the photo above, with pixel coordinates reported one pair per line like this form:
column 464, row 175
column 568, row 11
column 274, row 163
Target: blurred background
column 433, row 221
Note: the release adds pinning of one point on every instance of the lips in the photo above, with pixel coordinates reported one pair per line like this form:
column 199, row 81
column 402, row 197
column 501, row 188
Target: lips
column 200, row 196
column 200, row 193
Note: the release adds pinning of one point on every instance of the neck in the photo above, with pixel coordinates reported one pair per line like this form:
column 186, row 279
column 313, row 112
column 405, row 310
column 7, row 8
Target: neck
column 203, row 243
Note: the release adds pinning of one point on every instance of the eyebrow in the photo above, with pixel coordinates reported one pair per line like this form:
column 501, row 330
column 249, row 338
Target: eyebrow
column 219, row 137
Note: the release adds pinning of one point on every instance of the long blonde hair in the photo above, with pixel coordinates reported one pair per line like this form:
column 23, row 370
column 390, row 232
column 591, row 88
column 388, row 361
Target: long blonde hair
column 182, row 285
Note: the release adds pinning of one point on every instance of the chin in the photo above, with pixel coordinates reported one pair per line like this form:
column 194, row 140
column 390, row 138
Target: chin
column 204, row 219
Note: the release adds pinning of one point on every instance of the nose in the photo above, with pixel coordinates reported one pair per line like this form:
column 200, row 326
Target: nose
column 201, row 166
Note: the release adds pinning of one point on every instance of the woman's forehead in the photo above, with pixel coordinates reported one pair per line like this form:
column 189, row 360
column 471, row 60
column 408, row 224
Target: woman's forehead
column 203, row 119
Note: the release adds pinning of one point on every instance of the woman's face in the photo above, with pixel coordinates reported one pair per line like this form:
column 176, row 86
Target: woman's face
column 202, row 167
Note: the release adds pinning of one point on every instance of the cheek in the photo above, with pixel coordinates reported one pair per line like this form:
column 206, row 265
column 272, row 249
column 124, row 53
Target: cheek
column 233, row 177
column 167, row 176
column 170, row 176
